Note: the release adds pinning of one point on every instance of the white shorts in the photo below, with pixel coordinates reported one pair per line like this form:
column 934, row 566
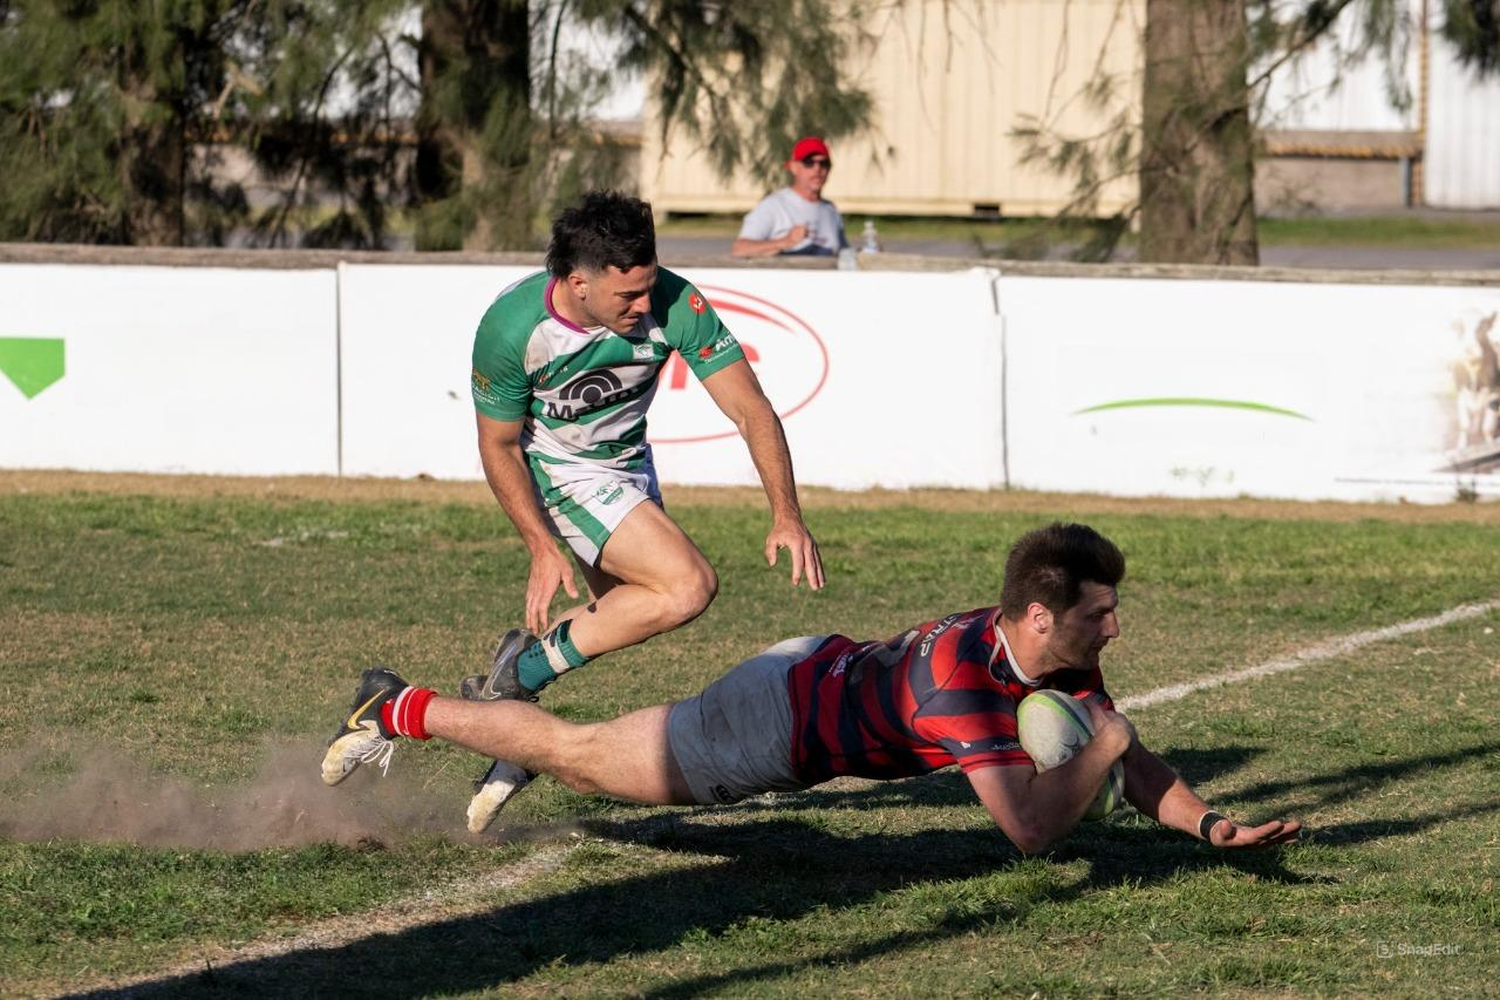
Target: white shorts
column 586, row 510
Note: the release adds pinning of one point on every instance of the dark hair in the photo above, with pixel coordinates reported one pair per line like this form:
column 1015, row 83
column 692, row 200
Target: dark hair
column 1049, row 566
column 606, row 229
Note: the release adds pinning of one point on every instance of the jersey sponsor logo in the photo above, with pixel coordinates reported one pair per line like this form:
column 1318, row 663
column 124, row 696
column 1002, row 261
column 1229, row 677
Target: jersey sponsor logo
column 481, row 381
column 927, row 640
column 695, row 301
column 588, row 392
column 608, row 493
column 789, row 358
column 719, row 346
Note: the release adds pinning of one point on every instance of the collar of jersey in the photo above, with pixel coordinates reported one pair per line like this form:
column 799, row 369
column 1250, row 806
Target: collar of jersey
column 1003, row 643
column 568, row 324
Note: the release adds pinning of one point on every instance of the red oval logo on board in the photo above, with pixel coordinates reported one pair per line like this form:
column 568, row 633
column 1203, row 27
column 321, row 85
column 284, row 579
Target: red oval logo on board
column 789, row 358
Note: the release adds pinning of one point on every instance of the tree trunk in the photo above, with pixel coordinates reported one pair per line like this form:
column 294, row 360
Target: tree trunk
column 1197, row 162
column 474, row 127
column 151, row 163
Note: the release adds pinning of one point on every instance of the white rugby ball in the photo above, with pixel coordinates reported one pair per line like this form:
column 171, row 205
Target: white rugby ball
column 1052, row 727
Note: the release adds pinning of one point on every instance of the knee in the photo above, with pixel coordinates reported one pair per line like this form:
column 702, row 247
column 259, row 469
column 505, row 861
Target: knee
column 690, row 595
column 576, row 764
column 578, row 781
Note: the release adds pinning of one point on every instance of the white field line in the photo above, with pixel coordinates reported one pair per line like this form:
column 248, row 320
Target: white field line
column 1312, row 654
column 459, row 898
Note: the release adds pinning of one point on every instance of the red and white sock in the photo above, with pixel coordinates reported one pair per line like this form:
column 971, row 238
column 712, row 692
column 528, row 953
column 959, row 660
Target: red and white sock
column 406, row 714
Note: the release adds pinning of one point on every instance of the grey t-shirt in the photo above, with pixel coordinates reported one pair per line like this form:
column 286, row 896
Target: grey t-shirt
column 780, row 210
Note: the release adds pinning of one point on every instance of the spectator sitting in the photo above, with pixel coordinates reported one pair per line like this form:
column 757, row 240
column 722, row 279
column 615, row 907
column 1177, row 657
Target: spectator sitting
column 796, row 219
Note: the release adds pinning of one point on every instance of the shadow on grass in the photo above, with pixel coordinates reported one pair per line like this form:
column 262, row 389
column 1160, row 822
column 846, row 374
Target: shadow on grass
column 1321, row 791
column 774, row 867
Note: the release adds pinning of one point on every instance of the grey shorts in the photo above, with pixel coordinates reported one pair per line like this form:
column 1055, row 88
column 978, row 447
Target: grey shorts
column 734, row 739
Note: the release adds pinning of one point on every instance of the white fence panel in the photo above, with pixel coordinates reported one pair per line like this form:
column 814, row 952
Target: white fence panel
column 407, row 347
column 1201, row 388
column 172, row 369
column 880, row 379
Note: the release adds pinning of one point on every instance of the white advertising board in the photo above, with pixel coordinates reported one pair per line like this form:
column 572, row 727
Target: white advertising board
column 1199, row 388
column 163, row 369
column 880, row 379
column 407, row 340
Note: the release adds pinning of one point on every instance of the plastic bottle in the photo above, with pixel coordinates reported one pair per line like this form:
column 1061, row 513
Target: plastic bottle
column 870, row 242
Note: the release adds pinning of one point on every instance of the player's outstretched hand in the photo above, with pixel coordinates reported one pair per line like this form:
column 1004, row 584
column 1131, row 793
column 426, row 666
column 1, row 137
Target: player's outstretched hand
column 1227, row 833
column 549, row 570
column 798, row 541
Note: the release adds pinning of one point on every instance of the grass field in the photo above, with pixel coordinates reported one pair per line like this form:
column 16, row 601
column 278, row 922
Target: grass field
column 175, row 651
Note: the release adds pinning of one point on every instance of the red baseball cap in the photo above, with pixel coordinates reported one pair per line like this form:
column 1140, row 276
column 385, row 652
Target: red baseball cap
column 808, row 146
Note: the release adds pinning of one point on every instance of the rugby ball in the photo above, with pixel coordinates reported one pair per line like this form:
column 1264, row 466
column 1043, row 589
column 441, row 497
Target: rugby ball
column 1052, row 727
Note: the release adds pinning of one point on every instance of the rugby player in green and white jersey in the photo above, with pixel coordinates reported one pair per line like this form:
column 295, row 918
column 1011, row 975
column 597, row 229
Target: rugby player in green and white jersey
column 565, row 367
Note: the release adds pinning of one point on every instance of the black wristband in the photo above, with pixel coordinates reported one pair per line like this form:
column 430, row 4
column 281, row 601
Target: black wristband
column 1207, row 823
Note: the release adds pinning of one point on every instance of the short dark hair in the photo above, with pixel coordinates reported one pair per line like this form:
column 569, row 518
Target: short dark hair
column 606, row 229
column 1049, row 566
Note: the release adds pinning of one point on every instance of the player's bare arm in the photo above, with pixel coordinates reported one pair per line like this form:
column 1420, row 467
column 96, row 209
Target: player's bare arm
column 510, row 480
column 737, row 392
column 744, row 247
column 1035, row 809
column 1157, row 791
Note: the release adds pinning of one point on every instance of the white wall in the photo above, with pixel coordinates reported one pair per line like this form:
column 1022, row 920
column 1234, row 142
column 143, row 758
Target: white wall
column 881, row 379
column 1462, row 167
column 834, row 352
column 1332, row 87
column 407, row 336
column 1097, row 384
column 1204, row 388
column 175, row 369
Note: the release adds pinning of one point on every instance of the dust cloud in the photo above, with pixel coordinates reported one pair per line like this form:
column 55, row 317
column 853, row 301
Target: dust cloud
column 111, row 799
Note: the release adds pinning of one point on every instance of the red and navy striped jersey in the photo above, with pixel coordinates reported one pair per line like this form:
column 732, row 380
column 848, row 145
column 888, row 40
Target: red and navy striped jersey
column 937, row 694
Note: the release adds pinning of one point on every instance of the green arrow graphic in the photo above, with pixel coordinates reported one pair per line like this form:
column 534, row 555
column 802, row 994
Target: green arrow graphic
column 32, row 363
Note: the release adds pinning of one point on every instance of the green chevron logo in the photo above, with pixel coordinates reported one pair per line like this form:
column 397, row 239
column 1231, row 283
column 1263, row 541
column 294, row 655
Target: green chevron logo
column 31, row 363
column 1233, row 404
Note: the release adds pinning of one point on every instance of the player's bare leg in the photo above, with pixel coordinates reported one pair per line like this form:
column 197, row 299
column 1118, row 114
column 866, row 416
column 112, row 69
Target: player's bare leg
column 628, row 757
column 651, row 578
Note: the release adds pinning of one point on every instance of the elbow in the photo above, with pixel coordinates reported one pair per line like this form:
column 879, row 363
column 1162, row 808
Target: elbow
column 1032, row 845
column 1029, row 838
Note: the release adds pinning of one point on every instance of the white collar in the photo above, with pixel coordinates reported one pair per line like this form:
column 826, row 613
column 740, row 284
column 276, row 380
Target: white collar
column 1010, row 657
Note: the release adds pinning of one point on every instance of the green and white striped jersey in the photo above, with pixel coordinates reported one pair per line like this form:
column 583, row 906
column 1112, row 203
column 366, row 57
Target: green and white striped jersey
column 583, row 393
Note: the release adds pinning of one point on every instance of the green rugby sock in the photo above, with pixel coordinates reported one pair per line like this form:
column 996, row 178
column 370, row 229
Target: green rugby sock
column 539, row 665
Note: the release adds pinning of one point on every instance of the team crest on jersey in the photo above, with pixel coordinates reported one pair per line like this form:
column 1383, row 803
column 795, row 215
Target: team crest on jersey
column 644, row 352
column 696, row 301
column 609, row 492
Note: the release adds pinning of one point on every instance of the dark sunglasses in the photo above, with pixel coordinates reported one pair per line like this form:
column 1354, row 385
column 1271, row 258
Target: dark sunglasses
column 817, row 161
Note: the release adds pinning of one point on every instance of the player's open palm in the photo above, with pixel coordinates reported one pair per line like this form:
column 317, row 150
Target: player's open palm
column 549, row 570
column 1227, row 833
column 803, row 550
